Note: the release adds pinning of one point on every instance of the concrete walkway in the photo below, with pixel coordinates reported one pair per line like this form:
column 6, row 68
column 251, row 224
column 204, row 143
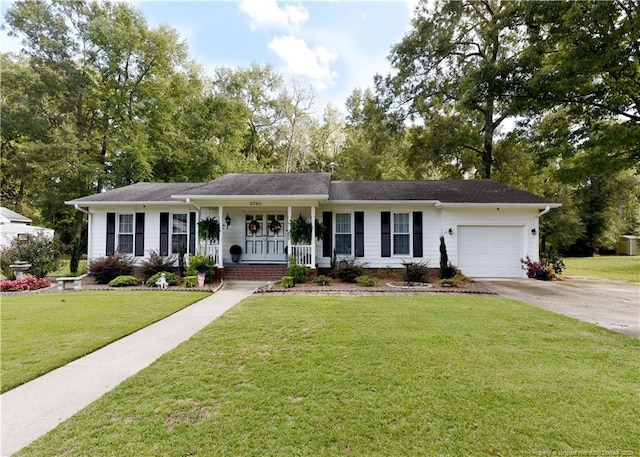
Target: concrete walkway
column 33, row 409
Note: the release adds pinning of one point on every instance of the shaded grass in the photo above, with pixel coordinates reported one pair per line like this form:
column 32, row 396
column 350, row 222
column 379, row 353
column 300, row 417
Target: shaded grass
column 42, row 332
column 623, row 268
column 65, row 271
column 439, row 375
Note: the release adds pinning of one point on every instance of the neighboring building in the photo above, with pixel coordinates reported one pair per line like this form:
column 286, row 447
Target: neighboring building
column 488, row 227
column 14, row 225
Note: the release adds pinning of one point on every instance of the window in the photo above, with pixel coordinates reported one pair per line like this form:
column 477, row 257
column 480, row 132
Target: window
column 401, row 234
column 179, row 228
column 125, row 233
column 343, row 234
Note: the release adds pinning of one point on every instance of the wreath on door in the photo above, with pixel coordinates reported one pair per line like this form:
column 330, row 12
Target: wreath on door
column 254, row 226
column 275, row 226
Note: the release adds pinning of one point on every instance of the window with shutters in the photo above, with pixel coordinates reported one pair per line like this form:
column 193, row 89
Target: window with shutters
column 179, row 228
column 343, row 234
column 125, row 233
column 401, row 234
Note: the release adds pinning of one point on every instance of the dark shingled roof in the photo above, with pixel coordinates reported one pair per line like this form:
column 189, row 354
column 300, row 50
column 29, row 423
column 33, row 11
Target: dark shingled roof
column 266, row 184
column 320, row 184
column 139, row 192
column 449, row 191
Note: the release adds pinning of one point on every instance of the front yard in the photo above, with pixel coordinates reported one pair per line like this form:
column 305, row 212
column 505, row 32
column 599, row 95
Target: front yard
column 402, row 375
column 622, row 268
column 41, row 332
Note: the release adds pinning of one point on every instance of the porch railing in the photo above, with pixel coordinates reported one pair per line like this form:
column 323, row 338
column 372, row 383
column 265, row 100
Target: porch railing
column 207, row 249
column 302, row 254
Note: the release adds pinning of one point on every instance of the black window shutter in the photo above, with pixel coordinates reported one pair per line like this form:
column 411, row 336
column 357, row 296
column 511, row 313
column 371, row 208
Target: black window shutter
column 192, row 233
column 417, row 234
column 327, row 240
column 359, row 223
column 164, row 234
column 139, row 238
column 111, row 233
column 385, row 230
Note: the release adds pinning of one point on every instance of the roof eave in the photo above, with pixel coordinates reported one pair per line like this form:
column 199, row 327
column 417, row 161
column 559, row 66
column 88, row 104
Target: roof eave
column 492, row 204
column 124, row 202
column 320, row 197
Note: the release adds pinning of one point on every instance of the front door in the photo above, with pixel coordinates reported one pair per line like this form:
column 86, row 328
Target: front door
column 265, row 237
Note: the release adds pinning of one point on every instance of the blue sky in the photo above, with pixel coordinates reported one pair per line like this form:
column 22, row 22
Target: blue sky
column 336, row 46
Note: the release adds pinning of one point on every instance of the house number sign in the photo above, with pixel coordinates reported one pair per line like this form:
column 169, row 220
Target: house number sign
column 255, row 203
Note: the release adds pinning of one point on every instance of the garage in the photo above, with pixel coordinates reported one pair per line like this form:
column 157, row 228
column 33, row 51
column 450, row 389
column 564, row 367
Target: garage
column 491, row 251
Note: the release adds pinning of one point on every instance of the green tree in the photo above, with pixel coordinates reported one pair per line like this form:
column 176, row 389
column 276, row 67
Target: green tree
column 455, row 73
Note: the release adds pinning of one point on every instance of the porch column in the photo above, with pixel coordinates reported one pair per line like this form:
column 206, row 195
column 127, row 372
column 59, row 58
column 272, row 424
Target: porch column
column 289, row 248
column 220, row 237
column 313, row 238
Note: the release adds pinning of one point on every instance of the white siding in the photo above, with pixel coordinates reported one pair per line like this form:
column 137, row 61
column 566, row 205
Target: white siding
column 373, row 240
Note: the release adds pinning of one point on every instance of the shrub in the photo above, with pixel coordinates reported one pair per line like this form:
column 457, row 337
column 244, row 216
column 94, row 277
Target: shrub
column 172, row 279
column 191, row 281
column 417, row 272
column 199, row 263
column 348, row 270
column 299, row 273
column 108, row 268
column 366, row 280
column 323, row 280
column 445, row 272
column 287, row 282
column 124, row 281
column 28, row 282
column 387, row 272
column 42, row 252
column 538, row 270
column 157, row 263
column 456, row 280
column 553, row 258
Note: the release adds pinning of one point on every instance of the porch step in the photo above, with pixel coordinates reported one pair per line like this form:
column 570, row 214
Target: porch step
column 249, row 272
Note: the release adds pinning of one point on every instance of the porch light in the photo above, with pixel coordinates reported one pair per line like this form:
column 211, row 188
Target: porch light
column 533, row 231
column 227, row 220
column 450, row 231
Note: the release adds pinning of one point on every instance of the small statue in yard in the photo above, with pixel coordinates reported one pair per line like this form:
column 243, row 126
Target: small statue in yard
column 162, row 282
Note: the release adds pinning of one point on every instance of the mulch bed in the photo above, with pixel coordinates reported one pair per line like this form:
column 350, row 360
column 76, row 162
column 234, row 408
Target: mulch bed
column 338, row 287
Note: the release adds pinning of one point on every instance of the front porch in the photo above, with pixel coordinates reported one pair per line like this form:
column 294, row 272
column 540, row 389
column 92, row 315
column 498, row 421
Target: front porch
column 252, row 272
column 258, row 235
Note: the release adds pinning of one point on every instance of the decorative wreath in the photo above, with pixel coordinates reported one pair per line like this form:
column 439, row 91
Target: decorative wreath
column 275, row 226
column 254, row 226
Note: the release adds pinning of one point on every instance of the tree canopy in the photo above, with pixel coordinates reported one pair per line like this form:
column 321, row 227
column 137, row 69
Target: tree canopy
column 544, row 99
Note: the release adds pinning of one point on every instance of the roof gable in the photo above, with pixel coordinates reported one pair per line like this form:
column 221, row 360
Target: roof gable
column 265, row 184
column 12, row 216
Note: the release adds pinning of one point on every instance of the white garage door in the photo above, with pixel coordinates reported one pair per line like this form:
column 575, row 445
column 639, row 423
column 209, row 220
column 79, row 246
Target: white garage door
column 490, row 251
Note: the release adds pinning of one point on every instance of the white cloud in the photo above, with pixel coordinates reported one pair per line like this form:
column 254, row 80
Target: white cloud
column 300, row 59
column 267, row 14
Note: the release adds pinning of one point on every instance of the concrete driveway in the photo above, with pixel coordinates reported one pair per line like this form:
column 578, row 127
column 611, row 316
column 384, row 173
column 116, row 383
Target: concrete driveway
column 610, row 304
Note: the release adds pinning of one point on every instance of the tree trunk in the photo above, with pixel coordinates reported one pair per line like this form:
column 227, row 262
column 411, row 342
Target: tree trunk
column 487, row 147
column 76, row 244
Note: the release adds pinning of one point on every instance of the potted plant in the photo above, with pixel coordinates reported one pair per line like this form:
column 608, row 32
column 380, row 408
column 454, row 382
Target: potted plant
column 300, row 230
column 236, row 252
column 209, row 229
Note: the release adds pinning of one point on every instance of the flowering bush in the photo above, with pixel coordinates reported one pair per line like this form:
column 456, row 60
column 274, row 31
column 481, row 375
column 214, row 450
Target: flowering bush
column 42, row 252
column 538, row 270
column 26, row 283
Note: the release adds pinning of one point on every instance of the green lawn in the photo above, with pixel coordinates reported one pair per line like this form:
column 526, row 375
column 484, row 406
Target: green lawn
column 372, row 376
column 40, row 332
column 623, row 268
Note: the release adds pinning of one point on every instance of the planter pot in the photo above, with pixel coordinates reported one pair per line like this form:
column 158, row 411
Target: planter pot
column 236, row 253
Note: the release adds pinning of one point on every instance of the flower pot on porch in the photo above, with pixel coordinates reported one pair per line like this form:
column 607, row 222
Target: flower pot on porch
column 236, row 252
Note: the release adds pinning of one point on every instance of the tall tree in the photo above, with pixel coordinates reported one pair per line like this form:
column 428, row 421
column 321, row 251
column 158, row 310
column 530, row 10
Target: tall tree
column 456, row 69
column 97, row 75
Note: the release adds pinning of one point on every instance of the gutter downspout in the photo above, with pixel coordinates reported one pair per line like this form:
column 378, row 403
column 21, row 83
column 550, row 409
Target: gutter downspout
column 544, row 211
column 89, row 218
column 536, row 226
